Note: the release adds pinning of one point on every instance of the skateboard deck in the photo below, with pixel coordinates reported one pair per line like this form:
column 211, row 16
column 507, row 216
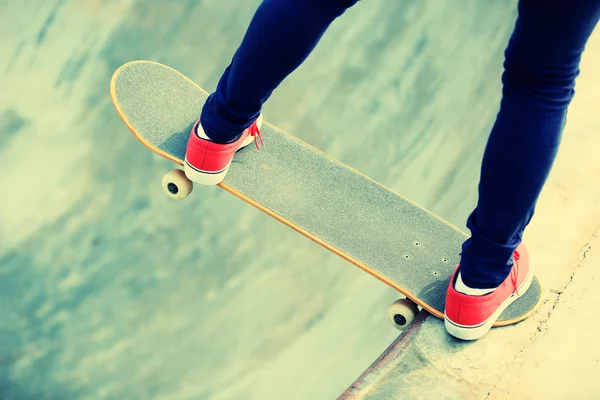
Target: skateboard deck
column 381, row 232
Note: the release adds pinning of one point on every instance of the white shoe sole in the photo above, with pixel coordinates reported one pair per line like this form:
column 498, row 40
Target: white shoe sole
column 466, row 332
column 203, row 177
column 214, row 178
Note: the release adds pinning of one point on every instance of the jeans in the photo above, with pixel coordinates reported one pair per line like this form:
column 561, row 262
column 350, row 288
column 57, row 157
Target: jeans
column 541, row 64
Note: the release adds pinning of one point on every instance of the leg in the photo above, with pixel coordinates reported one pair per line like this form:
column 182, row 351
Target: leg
column 280, row 37
column 542, row 62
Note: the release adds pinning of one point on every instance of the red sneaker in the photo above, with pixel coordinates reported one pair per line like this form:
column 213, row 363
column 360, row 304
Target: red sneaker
column 207, row 162
column 470, row 317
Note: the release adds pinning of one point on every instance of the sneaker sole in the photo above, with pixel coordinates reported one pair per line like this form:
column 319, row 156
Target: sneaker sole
column 466, row 332
column 210, row 178
column 204, row 177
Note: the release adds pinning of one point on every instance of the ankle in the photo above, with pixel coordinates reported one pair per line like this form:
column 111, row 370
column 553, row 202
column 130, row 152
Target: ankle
column 463, row 288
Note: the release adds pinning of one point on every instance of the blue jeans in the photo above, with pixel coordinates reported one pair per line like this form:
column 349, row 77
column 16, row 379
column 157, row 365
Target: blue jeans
column 541, row 64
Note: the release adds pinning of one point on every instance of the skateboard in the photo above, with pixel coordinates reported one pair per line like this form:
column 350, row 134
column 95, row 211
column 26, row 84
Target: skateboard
column 386, row 235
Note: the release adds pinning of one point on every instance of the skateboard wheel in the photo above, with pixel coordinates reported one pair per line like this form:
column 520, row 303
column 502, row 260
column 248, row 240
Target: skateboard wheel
column 402, row 312
column 176, row 185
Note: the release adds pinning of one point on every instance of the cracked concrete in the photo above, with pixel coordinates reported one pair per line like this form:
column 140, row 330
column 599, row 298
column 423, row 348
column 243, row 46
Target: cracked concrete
column 563, row 360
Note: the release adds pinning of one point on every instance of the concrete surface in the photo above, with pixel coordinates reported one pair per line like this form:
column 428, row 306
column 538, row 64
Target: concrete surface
column 555, row 354
column 108, row 290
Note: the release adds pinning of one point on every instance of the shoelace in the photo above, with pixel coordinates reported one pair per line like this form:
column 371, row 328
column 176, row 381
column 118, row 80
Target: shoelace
column 514, row 275
column 255, row 133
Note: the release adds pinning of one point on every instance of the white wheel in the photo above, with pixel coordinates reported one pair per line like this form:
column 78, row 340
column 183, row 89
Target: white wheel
column 402, row 312
column 176, row 185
